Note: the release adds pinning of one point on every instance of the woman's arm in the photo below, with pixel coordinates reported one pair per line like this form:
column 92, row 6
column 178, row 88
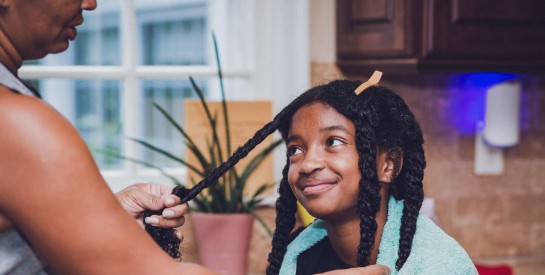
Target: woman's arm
column 52, row 191
column 136, row 199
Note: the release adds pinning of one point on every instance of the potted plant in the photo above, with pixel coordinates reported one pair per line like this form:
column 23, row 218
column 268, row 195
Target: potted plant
column 223, row 207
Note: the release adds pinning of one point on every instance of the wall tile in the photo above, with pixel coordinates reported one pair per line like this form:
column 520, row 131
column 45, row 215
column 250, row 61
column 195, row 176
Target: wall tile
column 537, row 238
column 450, row 179
column 493, row 212
column 470, row 242
column 505, row 240
column 528, row 210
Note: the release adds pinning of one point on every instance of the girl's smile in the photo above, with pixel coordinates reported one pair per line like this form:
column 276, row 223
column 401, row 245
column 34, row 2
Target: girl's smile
column 315, row 187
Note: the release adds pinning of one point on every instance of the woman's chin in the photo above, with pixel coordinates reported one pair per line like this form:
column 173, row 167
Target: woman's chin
column 60, row 47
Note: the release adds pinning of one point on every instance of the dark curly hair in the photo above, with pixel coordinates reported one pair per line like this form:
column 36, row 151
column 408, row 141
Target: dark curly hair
column 382, row 120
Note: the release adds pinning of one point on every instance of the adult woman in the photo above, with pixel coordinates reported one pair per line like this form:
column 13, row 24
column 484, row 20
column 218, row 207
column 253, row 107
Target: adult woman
column 51, row 191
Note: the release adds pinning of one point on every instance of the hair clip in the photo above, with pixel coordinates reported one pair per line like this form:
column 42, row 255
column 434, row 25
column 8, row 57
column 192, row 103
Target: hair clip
column 373, row 81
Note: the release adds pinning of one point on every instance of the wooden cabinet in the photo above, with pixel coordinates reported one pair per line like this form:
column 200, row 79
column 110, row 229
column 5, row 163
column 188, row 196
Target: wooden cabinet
column 440, row 35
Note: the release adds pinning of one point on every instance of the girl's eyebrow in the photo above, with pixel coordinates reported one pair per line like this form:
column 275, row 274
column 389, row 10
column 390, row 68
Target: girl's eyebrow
column 334, row 128
column 322, row 130
column 292, row 138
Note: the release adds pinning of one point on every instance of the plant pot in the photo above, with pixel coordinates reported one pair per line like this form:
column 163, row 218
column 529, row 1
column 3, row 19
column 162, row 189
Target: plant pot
column 223, row 241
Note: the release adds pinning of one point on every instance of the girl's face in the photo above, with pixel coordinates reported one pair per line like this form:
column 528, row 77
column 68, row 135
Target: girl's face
column 38, row 27
column 323, row 170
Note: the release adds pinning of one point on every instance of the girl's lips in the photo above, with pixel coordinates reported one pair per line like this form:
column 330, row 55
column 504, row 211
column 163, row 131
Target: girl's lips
column 316, row 189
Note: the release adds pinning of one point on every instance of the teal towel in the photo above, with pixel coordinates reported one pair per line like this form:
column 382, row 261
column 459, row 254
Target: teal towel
column 433, row 251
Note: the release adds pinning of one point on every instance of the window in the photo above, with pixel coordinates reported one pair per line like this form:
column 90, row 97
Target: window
column 131, row 53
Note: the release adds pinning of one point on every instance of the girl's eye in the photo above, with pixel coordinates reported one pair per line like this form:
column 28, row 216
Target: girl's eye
column 334, row 142
column 293, row 151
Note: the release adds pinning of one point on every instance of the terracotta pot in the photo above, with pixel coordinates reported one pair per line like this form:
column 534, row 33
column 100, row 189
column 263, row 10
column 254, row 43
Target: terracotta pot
column 223, row 241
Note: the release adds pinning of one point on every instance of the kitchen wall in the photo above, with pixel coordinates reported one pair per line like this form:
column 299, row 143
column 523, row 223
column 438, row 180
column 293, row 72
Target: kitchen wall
column 497, row 219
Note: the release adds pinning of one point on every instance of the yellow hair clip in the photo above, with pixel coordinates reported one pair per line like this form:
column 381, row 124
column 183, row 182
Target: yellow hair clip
column 373, row 80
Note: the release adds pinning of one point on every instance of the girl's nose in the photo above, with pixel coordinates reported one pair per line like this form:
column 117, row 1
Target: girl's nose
column 313, row 161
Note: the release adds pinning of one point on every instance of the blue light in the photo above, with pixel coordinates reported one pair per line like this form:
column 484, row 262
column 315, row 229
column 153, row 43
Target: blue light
column 468, row 95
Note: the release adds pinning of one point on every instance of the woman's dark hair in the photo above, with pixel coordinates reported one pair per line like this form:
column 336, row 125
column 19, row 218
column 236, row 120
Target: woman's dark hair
column 382, row 120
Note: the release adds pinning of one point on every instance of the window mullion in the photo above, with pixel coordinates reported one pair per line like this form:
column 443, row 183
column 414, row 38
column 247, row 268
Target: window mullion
column 130, row 82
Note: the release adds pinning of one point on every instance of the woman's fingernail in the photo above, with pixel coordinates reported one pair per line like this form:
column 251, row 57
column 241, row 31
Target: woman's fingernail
column 168, row 213
column 179, row 234
column 151, row 220
column 169, row 202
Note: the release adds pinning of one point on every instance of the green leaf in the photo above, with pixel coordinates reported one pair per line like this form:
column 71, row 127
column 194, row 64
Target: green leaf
column 254, row 163
column 211, row 119
column 147, row 164
column 202, row 203
column 190, row 144
column 213, row 161
column 256, row 198
column 223, row 101
column 167, row 154
column 264, row 187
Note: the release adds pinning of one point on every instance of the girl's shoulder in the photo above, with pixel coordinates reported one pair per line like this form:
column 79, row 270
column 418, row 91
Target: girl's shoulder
column 434, row 252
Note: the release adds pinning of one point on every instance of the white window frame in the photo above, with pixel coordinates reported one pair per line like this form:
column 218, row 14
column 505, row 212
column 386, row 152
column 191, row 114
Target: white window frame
column 277, row 64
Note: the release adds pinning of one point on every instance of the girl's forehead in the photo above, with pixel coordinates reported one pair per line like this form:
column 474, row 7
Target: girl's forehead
column 318, row 115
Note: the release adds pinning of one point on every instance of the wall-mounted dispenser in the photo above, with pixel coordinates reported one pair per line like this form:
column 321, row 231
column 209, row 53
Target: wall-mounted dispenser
column 500, row 128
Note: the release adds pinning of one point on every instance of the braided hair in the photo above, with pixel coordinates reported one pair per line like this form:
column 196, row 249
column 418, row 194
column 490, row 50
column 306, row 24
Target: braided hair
column 381, row 119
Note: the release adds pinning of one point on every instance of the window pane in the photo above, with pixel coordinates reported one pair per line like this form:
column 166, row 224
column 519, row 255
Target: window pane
column 94, row 107
column 172, row 32
column 97, row 42
column 155, row 127
column 170, row 95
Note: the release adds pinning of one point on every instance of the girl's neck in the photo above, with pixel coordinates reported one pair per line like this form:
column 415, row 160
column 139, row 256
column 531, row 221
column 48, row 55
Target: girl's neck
column 345, row 236
column 9, row 56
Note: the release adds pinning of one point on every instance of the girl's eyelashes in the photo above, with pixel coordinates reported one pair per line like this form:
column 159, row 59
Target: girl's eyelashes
column 293, row 150
column 330, row 142
column 334, row 141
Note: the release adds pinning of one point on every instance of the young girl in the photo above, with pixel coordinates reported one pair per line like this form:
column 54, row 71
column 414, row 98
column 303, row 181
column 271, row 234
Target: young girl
column 355, row 161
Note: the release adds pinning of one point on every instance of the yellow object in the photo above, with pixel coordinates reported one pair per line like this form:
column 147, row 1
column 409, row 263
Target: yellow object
column 306, row 218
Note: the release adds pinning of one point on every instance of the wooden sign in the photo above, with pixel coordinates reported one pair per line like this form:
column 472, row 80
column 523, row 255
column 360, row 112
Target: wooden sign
column 245, row 118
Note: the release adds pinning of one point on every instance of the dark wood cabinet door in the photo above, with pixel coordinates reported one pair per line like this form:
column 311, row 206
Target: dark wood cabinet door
column 411, row 35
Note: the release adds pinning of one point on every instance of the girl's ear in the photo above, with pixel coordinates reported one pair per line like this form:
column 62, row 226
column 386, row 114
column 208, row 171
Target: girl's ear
column 389, row 164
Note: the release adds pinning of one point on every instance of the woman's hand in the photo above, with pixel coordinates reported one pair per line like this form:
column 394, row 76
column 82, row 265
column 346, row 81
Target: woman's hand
column 139, row 197
column 368, row 270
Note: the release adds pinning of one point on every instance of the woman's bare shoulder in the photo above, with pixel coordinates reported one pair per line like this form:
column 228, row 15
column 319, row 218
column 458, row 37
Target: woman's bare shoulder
column 40, row 149
column 29, row 114
column 29, row 127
